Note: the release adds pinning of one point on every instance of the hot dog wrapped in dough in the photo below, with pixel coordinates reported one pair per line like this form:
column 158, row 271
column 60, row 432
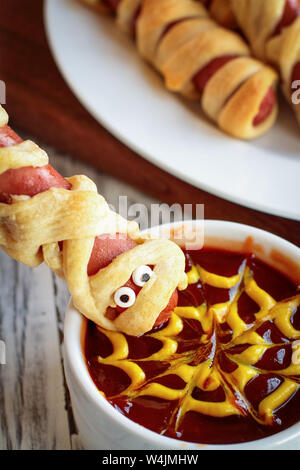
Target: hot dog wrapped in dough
column 117, row 279
column 273, row 29
column 221, row 11
column 203, row 61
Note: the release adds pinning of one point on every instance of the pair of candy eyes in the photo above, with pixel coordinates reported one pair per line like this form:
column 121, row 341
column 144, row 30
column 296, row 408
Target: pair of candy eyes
column 125, row 296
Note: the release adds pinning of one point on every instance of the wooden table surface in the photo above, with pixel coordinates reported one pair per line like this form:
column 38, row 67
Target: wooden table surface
column 35, row 412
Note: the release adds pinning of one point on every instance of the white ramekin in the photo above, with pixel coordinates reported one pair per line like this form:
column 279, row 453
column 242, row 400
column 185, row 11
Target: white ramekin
column 100, row 426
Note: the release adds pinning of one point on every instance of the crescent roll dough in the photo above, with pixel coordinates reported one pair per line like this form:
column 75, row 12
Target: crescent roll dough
column 32, row 227
column 222, row 12
column 180, row 39
column 284, row 52
column 259, row 20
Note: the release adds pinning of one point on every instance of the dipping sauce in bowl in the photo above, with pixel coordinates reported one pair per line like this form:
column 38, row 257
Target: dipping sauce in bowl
column 224, row 369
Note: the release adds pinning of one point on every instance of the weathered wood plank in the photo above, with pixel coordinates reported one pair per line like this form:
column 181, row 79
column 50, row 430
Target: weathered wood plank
column 32, row 407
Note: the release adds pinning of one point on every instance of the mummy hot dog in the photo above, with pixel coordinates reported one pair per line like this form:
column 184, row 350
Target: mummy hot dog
column 275, row 37
column 221, row 11
column 116, row 278
column 201, row 60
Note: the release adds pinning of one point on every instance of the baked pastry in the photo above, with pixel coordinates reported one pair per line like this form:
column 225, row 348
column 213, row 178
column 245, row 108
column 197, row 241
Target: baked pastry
column 284, row 52
column 275, row 37
column 117, row 279
column 260, row 20
column 203, row 61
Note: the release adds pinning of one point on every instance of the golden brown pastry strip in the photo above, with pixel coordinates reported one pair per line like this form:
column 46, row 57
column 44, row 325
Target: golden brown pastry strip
column 180, row 40
column 284, row 52
column 59, row 226
column 193, row 44
column 273, row 30
column 222, row 12
column 258, row 20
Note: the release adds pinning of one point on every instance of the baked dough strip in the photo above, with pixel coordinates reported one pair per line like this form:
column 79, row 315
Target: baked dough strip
column 273, row 30
column 181, row 40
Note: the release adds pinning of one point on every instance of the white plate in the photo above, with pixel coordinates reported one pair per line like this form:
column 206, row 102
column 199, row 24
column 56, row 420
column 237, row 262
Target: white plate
column 125, row 95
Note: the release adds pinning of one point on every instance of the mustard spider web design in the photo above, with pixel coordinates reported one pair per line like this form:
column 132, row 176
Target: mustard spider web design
column 213, row 373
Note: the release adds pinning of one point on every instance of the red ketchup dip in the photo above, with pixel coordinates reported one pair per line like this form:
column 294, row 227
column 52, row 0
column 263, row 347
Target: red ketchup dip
column 215, row 371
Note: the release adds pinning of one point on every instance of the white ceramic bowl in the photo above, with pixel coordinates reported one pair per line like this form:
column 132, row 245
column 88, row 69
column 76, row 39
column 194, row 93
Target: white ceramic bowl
column 100, row 426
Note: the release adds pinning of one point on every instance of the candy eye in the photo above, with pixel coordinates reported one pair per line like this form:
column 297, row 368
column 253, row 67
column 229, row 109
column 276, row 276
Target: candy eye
column 142, row 275
column 124, row 297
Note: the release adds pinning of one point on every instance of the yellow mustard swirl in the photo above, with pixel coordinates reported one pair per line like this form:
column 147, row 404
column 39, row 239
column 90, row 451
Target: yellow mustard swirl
column 202, row 368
